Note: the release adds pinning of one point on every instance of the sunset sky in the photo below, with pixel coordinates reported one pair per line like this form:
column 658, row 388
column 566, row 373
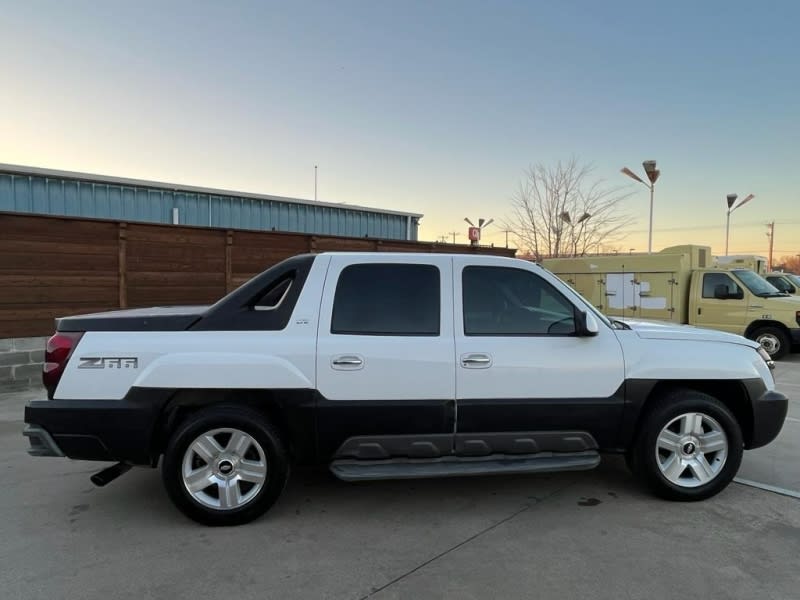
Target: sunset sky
column 431, row 107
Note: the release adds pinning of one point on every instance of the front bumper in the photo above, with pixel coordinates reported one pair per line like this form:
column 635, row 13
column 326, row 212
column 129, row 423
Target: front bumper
column 108, row 430
column 769, row 413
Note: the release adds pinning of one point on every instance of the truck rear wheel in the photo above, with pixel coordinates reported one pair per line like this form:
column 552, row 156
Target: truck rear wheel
column 689, row 446
column 773, row 340
column 225, row 465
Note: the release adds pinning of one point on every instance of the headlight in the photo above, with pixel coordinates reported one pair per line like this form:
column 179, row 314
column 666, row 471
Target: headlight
column 767, row 358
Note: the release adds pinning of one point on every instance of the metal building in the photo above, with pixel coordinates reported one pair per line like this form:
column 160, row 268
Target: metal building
column 50, row 192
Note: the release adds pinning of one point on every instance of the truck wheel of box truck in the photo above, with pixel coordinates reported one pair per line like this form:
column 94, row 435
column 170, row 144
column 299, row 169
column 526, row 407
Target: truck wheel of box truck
column 773, row 340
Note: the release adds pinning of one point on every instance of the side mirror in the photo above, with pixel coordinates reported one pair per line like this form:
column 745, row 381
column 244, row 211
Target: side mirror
column 586, row 324
column 791, row 289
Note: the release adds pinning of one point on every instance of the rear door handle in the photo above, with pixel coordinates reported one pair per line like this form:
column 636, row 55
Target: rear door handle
column 347, row 362
column 476, row 361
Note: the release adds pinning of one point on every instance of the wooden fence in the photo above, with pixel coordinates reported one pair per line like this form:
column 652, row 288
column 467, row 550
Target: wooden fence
column 59, row 266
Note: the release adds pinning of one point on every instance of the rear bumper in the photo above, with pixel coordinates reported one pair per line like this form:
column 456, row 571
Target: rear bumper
column 42, row 443
column 107, row 430
column 769, row 413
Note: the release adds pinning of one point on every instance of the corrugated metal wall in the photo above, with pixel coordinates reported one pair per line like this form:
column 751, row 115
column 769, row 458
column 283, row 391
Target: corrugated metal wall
column 79, row 198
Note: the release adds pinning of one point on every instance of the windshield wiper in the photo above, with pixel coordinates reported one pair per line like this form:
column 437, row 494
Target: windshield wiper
column 619, row 324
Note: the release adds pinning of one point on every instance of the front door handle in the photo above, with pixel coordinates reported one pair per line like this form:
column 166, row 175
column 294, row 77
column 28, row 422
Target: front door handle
column 476, row 361
column 348, row 361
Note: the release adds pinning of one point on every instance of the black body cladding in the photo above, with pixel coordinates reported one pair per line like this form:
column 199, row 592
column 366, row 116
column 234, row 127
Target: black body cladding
column 235, row 311
column 135, row 428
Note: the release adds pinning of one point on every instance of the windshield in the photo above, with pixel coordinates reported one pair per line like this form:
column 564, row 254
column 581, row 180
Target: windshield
column 782, row 283
column 795, row 279
column 756, row 284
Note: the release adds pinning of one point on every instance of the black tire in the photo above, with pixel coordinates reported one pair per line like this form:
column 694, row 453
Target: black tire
column 777, row 336
column 643, row 454
column 218, row 417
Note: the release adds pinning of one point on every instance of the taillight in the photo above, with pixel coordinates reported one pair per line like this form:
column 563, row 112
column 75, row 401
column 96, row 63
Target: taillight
column 59, row 349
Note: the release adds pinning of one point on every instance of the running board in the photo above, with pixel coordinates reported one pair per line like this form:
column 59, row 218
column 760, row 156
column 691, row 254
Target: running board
column 457, row 466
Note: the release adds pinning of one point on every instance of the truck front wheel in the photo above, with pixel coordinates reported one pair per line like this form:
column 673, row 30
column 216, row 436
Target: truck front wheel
column 689, row 446
column 773, row 340
column 225, row 465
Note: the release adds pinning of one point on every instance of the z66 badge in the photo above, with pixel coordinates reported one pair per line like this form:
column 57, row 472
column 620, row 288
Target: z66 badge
column 108, row 362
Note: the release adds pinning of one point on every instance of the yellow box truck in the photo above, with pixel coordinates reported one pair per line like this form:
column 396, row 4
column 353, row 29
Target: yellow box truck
column 685, row 284
column 752, row 262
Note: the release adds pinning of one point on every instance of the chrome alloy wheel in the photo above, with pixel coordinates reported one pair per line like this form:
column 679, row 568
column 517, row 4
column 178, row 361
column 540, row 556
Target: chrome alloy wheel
column 224, row 468
column 691, row 450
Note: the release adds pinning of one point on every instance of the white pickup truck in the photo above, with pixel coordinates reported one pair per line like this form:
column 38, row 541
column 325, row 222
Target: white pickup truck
column 397, row 366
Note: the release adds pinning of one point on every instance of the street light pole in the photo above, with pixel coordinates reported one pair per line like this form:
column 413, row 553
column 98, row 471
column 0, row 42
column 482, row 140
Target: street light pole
column 652, row 175
column 565, row 216
column 731, row 199
column 650, row 229
column 482, row 224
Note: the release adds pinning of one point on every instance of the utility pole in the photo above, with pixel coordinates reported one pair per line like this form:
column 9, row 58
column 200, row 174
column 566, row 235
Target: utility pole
column 315, row 183
column 442, row 239
column 454, row 234
column 771, row 236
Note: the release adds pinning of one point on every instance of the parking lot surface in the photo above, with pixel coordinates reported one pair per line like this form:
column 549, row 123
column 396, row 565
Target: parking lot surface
column 573, row 535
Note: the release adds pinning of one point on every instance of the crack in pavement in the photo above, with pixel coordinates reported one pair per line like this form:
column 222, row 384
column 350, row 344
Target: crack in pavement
column 462, row 543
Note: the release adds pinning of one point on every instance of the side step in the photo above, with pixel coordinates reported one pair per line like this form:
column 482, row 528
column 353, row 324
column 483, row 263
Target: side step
column 456, row 466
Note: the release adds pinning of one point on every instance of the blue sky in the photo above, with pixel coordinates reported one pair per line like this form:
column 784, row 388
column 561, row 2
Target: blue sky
column 432, row 107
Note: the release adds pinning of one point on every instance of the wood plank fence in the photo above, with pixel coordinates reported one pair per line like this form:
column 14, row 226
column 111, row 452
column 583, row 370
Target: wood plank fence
column 59, row 266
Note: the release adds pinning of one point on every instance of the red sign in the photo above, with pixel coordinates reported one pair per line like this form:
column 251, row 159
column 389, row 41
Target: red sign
column 474, row 234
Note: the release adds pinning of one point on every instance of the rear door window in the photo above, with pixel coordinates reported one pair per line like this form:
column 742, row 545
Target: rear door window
column 387, row 299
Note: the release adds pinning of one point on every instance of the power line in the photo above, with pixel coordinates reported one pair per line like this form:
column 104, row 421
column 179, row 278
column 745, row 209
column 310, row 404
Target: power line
column 720, row 226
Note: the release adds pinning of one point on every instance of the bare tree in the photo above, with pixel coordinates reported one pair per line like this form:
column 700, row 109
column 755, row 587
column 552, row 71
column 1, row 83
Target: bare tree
column 790, row 263
column 563, row 211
